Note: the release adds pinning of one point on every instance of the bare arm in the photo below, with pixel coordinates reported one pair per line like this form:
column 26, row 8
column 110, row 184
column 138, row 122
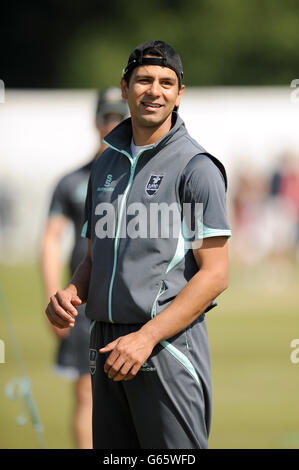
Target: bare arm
column 205, row 286
column 129, row 352
column 80, row 281
column 50, row 253
column 51, row 259
column 61, row 310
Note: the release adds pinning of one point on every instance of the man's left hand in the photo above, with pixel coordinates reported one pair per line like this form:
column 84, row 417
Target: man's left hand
column 128, row 353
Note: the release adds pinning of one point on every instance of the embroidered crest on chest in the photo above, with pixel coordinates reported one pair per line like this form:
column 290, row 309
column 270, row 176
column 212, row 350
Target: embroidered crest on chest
column 153, row 184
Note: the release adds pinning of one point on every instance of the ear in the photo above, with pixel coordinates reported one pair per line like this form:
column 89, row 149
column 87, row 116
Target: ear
column 124, row 89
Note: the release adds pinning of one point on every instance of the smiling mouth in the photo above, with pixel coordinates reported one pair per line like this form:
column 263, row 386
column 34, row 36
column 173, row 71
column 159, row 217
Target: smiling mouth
column 147, row 104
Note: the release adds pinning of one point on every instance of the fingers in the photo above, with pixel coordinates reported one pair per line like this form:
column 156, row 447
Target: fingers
column 118, row 367
column 120, row 370
column 65, row 303
column 127, row 354
column 62, row 308
column 57, row 315
column 133, row 372
column 114, row 370
column 56, row 320
column 113, row 357
column 76, row 301
column 110, row 346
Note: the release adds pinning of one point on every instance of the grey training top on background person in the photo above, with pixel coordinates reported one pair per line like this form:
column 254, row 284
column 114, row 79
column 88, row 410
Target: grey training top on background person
column 68, row 198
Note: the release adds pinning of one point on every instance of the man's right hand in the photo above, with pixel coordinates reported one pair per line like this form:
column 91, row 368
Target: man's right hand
column 61, row 310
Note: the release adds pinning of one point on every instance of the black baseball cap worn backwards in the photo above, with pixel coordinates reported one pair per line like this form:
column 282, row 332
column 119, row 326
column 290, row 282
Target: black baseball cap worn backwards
column 169, row 58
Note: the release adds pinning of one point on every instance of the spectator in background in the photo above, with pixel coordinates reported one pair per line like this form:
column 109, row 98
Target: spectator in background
column 7, row 208
column 285, row 186
column 67, row 204
column 265, row 216
column 248, row 206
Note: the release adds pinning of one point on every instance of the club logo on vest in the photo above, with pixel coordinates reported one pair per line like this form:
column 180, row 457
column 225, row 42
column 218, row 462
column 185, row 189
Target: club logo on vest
column 153, row 184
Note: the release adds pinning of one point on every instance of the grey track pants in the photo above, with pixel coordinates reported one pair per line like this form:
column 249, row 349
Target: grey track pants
column 166, row 406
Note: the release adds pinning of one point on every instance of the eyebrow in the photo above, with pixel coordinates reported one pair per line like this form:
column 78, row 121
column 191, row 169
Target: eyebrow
column 170, row 79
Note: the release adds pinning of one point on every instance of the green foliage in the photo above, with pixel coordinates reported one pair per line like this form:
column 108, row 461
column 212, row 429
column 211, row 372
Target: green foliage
column 87, row 43
column 223, row 42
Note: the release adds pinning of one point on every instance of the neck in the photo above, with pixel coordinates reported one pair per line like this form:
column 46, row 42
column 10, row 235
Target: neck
column 150, row 135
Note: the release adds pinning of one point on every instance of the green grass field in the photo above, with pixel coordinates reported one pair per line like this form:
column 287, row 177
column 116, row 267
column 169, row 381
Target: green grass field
column 255, row 384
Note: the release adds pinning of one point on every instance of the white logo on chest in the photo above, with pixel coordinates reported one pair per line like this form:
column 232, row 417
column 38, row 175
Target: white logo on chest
column 153, row 184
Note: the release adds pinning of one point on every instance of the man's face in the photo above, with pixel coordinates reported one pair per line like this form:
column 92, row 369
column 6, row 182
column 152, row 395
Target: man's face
column 152, row 94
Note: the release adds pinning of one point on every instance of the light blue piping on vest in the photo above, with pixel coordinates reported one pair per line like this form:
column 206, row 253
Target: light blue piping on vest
column 181, row 358
column 169, row 347
column 92, row 325
column 133, row 163
column 84, row 229
column 154, row 307
column 215, row 232
column 178, row 256
column 182, row 245
column 180, row 252
column 206, row 232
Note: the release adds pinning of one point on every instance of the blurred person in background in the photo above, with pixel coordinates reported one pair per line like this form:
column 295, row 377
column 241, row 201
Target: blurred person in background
column 7, row 213
column 248, row 206
column 67, row 205
column 284, row 188
column 265, row 220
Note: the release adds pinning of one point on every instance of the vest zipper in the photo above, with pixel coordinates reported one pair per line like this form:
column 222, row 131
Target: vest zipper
column 133, row 162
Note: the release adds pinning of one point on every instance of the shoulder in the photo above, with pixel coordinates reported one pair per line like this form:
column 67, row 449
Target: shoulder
column 204, row 168
column 202, row 180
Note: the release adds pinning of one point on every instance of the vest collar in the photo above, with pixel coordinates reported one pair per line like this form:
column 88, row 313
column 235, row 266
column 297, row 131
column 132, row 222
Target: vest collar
column 120, row 137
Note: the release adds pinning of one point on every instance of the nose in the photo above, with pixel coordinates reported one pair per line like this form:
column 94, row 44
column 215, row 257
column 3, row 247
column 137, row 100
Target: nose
column 154, row 88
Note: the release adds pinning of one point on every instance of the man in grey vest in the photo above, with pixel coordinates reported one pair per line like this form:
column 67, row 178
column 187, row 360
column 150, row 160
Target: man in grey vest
column 157, row 259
